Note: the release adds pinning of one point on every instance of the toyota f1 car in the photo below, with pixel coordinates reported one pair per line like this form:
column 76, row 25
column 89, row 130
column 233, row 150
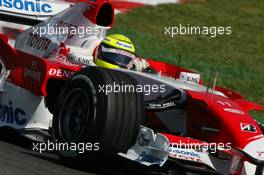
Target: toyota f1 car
column 185, row 126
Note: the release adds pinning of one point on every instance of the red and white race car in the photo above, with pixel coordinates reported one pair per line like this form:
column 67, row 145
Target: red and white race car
column 163, row 117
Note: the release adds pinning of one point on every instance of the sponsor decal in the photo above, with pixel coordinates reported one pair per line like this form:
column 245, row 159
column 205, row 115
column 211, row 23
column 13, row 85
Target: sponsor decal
column 31, row 73
column 232, row 110
column 149, row 158
column 190, row 77
column 162, row 105
column 12, row 115
column 80, row 59
column 143, row 140
column 60, row 73
column 248, row 127
column 260, row 155
column 123, row 45
column 224, row 103
column 84, row 61
column 26, row 5
column 184, row 154
column 229, row 109
column 37, row 42
column 61, row 59
column 34, row 64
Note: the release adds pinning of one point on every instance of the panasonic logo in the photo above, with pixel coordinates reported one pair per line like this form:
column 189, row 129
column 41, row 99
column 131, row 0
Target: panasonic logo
column 184, row 152
column 26, row 5
column 123, row 45
column 12, row 115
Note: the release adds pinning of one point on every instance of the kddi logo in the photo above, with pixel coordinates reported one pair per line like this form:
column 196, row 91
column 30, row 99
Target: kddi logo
column 12, row 115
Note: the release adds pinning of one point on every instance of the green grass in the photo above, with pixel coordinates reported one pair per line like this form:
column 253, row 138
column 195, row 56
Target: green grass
column 238, row 57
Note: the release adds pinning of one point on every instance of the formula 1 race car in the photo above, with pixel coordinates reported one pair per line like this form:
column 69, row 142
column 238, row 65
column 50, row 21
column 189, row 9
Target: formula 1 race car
column 163, row 118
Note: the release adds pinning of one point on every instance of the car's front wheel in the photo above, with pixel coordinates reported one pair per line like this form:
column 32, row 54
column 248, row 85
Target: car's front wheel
column 85, row 114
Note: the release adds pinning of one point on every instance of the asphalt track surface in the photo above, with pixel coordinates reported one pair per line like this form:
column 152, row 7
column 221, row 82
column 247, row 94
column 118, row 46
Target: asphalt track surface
column 18, row 158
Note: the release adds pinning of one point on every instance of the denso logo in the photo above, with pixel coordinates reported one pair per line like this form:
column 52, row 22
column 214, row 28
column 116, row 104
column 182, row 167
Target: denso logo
column 29, row 6
column 60, row 73
column 12, row 115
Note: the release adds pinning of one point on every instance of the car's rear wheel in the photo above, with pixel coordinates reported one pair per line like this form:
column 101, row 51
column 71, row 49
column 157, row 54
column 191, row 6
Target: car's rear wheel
column 85, row 114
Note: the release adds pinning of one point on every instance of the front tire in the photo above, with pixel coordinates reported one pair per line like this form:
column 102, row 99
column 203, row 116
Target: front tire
column 85, row 114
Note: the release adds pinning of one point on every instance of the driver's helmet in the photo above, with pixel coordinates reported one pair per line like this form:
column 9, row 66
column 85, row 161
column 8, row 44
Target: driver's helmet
column 115, row 51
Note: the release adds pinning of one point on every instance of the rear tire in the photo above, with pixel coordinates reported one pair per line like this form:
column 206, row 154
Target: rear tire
column 86, row 114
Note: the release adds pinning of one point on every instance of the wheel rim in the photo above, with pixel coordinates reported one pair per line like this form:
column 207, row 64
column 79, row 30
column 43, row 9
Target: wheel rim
column 74, row 115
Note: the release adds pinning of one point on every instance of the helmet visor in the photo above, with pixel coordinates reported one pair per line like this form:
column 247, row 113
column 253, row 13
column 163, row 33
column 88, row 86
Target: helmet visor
column 116, row 56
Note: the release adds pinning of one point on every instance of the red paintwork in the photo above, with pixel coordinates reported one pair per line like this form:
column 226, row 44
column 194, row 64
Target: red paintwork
column 120, row 5
column 167, row 69
column 91, row 13
column 204, row 110
column 18, row 62
column 125, row 6
column 3, row 37
column 43, row 66
column 207, row 110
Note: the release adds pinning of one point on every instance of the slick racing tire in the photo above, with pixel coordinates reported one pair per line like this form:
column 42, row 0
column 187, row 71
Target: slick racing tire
column 85, row 113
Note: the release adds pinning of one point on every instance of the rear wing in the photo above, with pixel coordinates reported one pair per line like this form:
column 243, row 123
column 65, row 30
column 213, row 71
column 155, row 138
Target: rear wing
column 30, row 12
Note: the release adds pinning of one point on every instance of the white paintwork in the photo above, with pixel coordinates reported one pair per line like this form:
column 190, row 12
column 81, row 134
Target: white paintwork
column 149, row 149
column 201, row 156
column 72, row 16
column 54, row 8
column 248, row 169
column 37, row 114
column 256, row 149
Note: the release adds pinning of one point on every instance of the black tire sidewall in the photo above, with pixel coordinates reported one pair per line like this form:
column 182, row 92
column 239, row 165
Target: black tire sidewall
column 116, row 116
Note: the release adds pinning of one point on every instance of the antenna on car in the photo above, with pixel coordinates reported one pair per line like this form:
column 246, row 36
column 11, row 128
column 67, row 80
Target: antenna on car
column 208, row 84
column 214, row 74
column 179, row 60
column 215, row 80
